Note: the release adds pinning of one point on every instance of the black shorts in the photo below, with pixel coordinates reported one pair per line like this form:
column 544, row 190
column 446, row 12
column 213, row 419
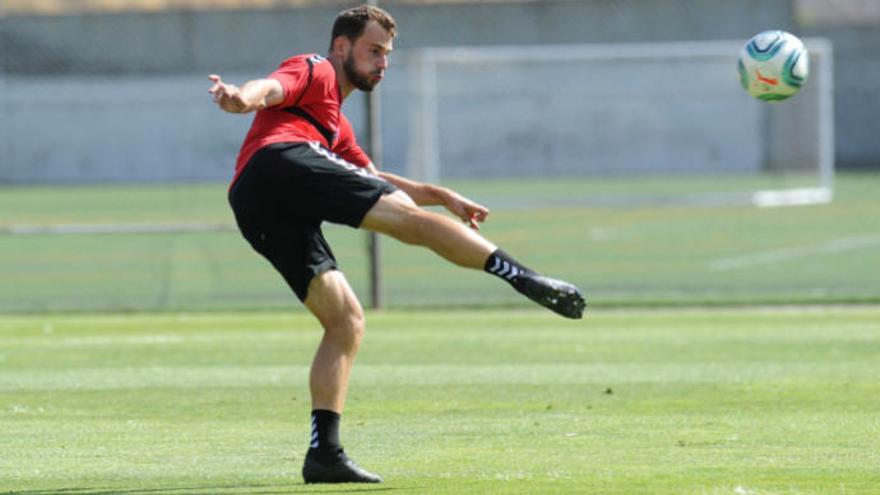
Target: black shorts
column 284, row 194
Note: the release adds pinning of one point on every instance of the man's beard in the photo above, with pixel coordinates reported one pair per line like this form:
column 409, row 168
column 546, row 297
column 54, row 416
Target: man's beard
column 358, row 80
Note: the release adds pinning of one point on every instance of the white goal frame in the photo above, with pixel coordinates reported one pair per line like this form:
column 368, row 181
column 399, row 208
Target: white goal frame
column 424, row 64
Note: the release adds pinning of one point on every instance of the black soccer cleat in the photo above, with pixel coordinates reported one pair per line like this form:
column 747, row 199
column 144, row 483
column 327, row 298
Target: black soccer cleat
column 560, row 297
column 344, row 470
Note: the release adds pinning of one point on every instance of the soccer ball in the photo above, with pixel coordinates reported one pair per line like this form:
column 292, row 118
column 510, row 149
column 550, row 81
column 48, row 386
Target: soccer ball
column 773, row 65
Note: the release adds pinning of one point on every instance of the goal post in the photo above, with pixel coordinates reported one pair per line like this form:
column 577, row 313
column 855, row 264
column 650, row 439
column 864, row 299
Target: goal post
column 671, row 114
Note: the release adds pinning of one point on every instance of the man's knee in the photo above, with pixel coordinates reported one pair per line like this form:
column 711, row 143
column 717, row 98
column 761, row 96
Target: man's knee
column 335, row 305
column 409, row 227
column 346, row 330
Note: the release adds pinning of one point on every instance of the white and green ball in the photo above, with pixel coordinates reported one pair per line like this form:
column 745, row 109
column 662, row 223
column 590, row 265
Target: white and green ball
column 773, row 65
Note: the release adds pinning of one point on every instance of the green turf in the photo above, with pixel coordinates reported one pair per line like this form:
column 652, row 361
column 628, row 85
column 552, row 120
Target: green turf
column 748, row 401
column 642, row 254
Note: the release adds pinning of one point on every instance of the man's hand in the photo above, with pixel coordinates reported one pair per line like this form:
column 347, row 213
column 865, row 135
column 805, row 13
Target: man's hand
column 227, row 96
column 468, row 211
column 428, row 195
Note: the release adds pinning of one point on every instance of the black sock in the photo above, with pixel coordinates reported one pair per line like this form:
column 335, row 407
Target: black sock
column 325, row 436
column 502, row 265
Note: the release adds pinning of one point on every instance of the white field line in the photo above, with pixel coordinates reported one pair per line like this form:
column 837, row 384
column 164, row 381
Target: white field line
column 779, row 255
column 115, row 228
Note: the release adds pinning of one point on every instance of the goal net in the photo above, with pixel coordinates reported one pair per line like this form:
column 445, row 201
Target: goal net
column 622, row 123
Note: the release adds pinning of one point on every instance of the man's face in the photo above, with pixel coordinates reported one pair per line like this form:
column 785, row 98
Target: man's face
column 367, row 57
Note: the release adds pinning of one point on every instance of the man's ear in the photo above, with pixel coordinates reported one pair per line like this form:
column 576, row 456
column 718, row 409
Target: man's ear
column 340, row 45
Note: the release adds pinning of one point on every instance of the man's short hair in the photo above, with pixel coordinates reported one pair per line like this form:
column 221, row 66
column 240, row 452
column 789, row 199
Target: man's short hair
column 351, row 22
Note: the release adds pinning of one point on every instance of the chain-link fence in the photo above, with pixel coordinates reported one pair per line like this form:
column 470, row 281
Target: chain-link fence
column 108, row 99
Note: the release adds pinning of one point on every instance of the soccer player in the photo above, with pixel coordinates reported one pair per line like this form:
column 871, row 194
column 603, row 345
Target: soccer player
column 300, row 166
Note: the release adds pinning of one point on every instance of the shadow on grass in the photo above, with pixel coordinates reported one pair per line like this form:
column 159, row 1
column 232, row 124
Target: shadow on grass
column 212, row 490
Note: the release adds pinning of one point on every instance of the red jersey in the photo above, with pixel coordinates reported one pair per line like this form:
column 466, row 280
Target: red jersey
column 311, row 111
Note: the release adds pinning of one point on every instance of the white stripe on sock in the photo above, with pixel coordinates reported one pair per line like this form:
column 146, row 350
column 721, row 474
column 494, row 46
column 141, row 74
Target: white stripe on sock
column 504, row 270
column 314, row 443
column 496, row 265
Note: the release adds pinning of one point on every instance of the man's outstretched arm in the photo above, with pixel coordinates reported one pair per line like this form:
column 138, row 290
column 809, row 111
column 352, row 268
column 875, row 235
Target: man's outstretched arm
column 251, row 96
column 425, row 194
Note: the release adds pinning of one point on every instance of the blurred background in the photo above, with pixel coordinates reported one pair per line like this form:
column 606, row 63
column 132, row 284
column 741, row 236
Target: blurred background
column 610, row 138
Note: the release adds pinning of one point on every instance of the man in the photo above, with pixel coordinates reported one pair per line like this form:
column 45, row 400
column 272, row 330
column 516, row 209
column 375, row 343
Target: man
column 300, row 165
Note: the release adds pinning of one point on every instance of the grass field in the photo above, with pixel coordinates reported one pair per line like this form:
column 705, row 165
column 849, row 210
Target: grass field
column 622, row 254
column 726, row 401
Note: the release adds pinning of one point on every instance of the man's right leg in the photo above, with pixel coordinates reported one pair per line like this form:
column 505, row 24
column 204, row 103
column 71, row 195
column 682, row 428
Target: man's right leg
column 398, row 216
column 331, row 299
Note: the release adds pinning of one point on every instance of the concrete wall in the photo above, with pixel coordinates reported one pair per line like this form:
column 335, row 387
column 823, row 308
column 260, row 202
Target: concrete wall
column 123, row 97
column 249, row 40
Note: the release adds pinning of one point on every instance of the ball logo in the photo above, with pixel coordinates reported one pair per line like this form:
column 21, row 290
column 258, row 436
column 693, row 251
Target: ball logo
column 764, row 79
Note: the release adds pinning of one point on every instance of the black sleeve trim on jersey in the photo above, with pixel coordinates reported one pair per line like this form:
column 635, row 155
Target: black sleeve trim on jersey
column 329, row 135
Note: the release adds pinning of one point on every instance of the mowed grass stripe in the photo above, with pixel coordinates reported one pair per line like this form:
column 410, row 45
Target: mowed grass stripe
column 637, row 255
column 236, row 376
